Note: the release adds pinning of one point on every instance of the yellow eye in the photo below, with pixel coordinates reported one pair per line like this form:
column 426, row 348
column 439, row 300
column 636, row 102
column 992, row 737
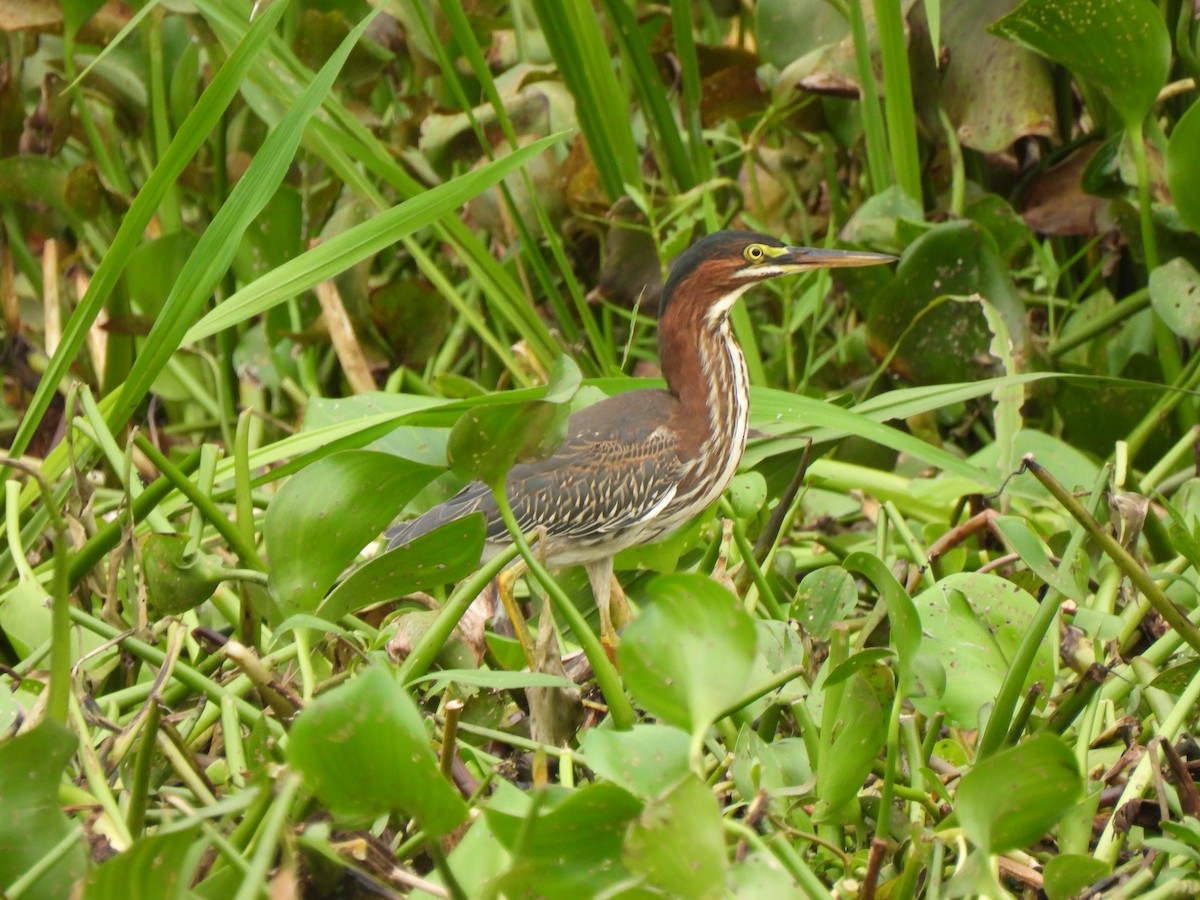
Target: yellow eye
column 754, row 253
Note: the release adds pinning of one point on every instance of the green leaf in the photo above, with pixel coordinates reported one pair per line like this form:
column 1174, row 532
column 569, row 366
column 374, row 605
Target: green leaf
column 646, row 760
column 972, row 623
column 571, row 849
column 487, row 440
column 1067, row 874
column 31, row 766
column 1025, row 541
column 177, row 580
column 203, row 118
column 154, row 868
column 931, row 338
column 856, row 662
column 217, row 246
column 362, row 749
column 322, row 518
column 859, row 733
column 1183, row 175
column 439, row 557
column 690, row 652
column 1121, row 46
column 1175, row 296
column 906, row 625
column 360, row 242
column 1012, row 798
column 678, row 845
column 825, row 596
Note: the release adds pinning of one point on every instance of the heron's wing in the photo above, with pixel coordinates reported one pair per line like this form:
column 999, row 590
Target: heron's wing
column 619, row 464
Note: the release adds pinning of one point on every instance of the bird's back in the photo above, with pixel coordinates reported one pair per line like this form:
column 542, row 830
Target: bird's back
column 612, row 476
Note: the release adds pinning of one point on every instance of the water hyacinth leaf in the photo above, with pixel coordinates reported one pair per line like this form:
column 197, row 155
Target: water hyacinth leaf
column 859, row 733
column 1121, row 46
column 1025, row 541
column 1183, row 175
column 906, row 625
column 690, row 652
column 972, row 623
column 1068, row 874
column 678, row 845
column 31, row 766
column 323, row 517
column 1175, row 296
column 153, row 868
column 646, row 760
column 996, row 92
column 486, row 442
column 177, row 579
column 439, row 557
column 573, row 847
column 362, row 749
column 824, row 596
column 936, row 340
column 1015, row 796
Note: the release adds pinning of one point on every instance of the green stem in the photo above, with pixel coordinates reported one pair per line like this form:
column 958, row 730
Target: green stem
column 1118, row 554
column 431, row 643
column 1009, row 694
column 182, row 672
column 607, row 678
column 245, row 550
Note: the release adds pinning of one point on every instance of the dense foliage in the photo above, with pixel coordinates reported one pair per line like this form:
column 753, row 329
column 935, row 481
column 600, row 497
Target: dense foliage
column 267, row 280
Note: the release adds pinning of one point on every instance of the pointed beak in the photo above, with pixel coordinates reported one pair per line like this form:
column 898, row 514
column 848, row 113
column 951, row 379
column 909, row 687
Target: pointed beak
column 803, row 259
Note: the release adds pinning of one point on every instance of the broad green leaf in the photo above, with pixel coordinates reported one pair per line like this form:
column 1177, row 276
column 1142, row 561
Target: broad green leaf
column 779, row 766
column 761, row 876
column 1183, row 175
column 1012, row 798
column 995, row 93
column 570, row 849
column 152, row 869
column 689, row 654
column 198, row 127
column 33, row 824
column 439, row 557
column 487, row 440
column 906, row 625
column 1067, row 874
column 362, row 749
column 1121, row 46
column 217, row 245
column 322, row 518
column 1024, row 540
column 177, row 580
column 856, row 662
column 930, row 338
column 972, row 624
column 646, row 760
column 678, row 845
column 859, row 733
column 1175, row 296
column 825, row 596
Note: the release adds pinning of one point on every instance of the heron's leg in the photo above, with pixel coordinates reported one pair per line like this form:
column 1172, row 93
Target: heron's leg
column 504, row 587
column 600, row 574
column 618, row 604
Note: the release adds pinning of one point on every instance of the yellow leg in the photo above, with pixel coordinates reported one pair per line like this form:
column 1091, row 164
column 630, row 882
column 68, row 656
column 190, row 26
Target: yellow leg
column 504, row 587
column 610, row 601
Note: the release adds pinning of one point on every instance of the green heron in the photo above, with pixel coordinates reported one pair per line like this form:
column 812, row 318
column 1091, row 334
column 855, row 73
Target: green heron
column 637, row 466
